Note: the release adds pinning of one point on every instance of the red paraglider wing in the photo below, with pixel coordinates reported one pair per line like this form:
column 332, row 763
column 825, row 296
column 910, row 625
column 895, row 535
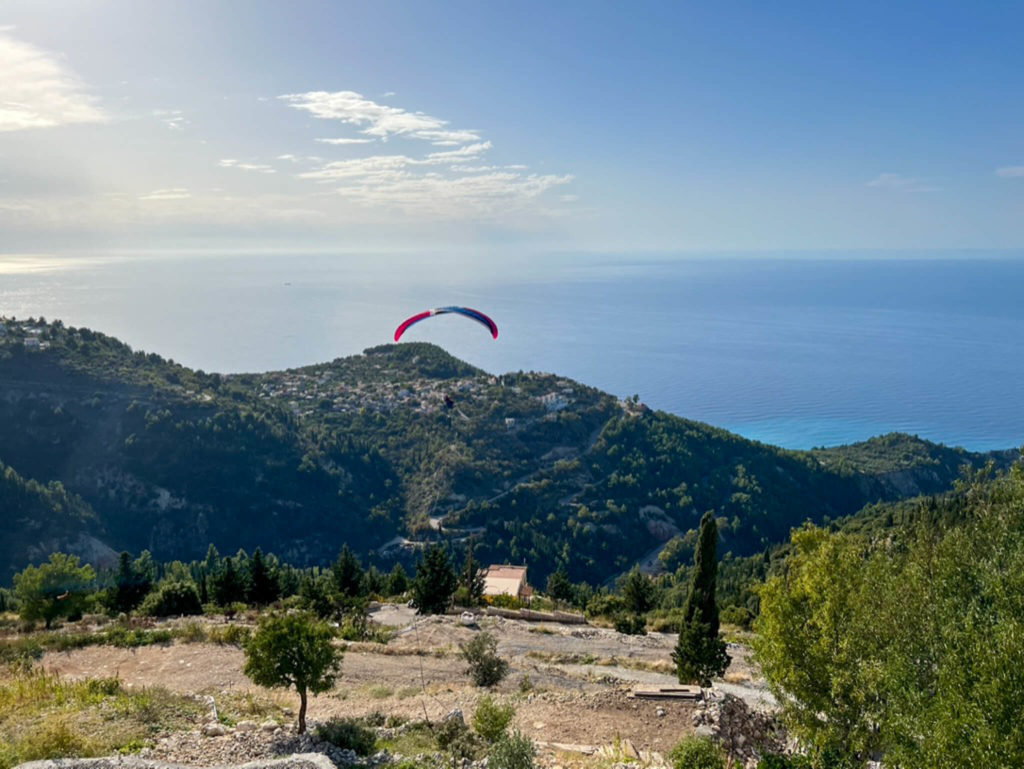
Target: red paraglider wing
column 468, row 312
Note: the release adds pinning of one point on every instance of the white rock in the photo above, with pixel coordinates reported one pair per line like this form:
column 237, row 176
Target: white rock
column 215, row 730
column 246, row 726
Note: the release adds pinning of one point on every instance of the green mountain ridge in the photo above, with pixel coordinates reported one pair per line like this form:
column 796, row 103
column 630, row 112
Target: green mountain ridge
column 405, row 443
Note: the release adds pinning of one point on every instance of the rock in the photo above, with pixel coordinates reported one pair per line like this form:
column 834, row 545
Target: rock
column 629, row 750
column 269, row 726
column 660, row 712
column 704, row 731
column 288, row 711
column 215, row 730
column 454, row 715
column 539, row 724
column 246, row 726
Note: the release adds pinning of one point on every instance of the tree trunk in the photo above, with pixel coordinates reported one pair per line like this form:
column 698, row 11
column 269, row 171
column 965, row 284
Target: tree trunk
column 302, row 711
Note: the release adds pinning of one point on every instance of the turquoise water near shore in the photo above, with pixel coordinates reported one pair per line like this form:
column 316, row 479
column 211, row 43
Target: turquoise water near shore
column 796, row 352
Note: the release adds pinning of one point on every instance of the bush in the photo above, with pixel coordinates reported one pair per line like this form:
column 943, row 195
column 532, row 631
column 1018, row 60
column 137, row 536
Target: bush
column 348, row 734
column 485, row 666
column 696, row 753
column 773, row 761
column 630, row 624
column 512, row 752
column 172, row 599
column 737, row 615
column 230, row 635
column 453, row 737
column 491, row 719
column 605, row 605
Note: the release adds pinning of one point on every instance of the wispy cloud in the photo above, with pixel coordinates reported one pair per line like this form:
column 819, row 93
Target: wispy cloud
column 891, row 181
column 262, row 168
column 1010, row 171
column 172, row 118
column 173, row 193
column 345, row 141
column 380, row 120
column 37, row 90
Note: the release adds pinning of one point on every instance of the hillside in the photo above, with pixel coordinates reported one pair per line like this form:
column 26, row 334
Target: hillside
column 406, row 443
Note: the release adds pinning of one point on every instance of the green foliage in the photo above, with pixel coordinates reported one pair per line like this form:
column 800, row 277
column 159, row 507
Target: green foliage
column 491, row 720
column 227, row 586
column 398, row 581
column 638, row 592
column 700, row 654
column 559, row 588
column 773, row 761
column 263, row 587
column 172, row 599
column 435, row 582
column 737, row 615
column 348, row 734
column 454, row 738
column 293, row 651
column 606, row 605
column 472, row 579
column 696, row 753
column 347, row 575
column 486, row 668
column 131, row 584
column 57, row 588
column 631, row 624
column 909, row 644
column 515, row 751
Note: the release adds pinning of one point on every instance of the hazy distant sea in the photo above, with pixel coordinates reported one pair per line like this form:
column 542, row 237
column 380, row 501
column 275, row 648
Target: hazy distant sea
column 799, row 352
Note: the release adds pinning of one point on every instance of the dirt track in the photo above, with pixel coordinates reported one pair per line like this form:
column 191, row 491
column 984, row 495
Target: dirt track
column 576, row 695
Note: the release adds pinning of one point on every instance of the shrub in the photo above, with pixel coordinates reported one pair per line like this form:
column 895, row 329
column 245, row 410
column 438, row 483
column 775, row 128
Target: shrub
column 491, row 719
column 696, row 753
column 348, row 734
column 630, row 624
column 53, row 739
column 192, row 633
column 171, row 599
column 605, row 605
column 737, row 615
column 774, row 761
column 512, row 752
column 453, row 737
column 230, row 635
column 485, row 666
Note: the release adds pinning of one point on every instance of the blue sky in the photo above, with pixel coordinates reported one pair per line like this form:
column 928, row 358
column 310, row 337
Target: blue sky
column 491, row 126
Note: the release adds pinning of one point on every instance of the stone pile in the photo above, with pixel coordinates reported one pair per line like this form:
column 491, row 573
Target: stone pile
column 745, row 734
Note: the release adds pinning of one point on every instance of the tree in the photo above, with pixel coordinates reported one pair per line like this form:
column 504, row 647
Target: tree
column 315, row 595
column 172, row 598
column 347, row 572
column 700, row 654
column 472, row 578
column 129, row 588
column 638, row 592
column 559, row 587
column 227, row 586
column 398, row 581
column 485, row 666
column 435, row 582
column 57, row 588
column 293, row 651
column 263, row 588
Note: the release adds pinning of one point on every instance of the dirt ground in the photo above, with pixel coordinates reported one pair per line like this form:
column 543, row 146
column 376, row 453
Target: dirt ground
column 570, row 682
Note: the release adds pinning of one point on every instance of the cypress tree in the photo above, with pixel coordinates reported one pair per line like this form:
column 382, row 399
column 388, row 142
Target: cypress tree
column 472, row 578
column 700, row 654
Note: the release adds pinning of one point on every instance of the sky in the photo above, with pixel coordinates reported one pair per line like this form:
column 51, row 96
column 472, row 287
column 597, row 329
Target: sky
column 494, row 127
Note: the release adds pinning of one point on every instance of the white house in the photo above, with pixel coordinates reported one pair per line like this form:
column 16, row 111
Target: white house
column 505, row 579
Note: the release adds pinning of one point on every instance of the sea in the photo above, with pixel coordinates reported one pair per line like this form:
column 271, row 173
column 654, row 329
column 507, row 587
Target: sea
column 797, row 351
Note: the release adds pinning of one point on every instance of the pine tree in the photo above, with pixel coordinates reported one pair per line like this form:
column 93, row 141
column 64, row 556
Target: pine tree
column 263, row 587
column 559, row 587
column 348, row 576
column 638, row 592
column 435, row 582
column 398, row 581
column 227, row 586
column 700, row 654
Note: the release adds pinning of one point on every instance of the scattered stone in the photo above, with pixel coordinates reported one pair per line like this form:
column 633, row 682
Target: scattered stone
column 660, row 712
column 215, row 730
column 246, row 726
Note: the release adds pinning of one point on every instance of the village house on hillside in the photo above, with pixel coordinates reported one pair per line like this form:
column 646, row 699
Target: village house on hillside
column 505, row 579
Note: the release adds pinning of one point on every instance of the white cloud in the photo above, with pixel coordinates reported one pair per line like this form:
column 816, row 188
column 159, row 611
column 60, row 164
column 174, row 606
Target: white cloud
column 380, row 120
column 37, row 90
column 174, row 193
column 346, row 141
column 234, row 163
column 172, row 118
column 569, row 198
column 1010, row 171
column 891, row 181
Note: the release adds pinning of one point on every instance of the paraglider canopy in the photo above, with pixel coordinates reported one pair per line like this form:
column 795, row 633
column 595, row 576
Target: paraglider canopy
column 468, row 312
